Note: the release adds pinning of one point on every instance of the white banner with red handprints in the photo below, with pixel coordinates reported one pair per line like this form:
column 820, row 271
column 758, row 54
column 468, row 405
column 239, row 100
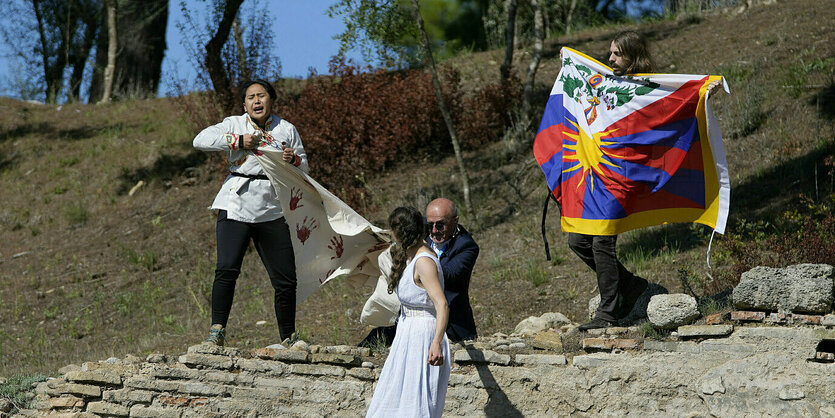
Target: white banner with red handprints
column 329, row 238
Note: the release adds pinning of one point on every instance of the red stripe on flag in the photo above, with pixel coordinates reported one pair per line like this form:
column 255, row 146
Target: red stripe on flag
column 548, row 142
column 572, row 202
column 675, row 106
column 638, row 197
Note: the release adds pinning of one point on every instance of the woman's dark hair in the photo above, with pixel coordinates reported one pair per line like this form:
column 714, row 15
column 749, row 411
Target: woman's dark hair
column 635, row 50
column 267, row 86
column 407, row 224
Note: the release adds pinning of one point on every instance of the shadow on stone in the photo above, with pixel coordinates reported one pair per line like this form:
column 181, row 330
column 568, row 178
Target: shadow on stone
column 498, row 405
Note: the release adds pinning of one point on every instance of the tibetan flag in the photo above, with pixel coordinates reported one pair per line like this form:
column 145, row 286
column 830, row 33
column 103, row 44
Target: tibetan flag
column 621, row 153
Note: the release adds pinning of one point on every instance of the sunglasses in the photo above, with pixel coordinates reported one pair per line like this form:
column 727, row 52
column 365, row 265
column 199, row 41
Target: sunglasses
column 439, row 225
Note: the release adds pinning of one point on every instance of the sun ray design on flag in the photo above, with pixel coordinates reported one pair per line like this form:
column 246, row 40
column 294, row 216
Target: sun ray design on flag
column 588, row 152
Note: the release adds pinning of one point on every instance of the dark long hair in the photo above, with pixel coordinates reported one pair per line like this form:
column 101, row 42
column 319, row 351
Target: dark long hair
column 407, row 224
column 635, row 48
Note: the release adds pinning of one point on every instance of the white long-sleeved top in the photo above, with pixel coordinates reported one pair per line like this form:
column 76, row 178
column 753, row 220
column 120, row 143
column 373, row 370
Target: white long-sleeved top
column 245, row 199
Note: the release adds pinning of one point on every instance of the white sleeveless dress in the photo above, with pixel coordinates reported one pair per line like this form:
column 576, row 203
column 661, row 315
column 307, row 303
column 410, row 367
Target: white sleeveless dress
column 408, row 385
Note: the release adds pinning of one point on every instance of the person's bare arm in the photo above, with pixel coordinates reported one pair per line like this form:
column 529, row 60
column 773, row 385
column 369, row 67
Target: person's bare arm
column 426, row 276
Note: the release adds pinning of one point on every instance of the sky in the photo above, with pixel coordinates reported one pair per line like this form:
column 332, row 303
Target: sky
column 302, row 38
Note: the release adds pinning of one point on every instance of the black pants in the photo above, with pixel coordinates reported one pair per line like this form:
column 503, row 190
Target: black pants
column 599, row 253
column 272, row 240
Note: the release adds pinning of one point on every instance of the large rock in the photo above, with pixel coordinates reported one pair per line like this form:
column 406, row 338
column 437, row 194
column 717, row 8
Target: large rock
column 535, row 324
column 639, row 311
column 671, row 311
column 798, row 288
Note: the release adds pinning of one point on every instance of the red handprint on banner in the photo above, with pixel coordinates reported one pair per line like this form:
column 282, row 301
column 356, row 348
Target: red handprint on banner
column 336, row 246
column 303, row 231
column 322, row 279
column 295, row 198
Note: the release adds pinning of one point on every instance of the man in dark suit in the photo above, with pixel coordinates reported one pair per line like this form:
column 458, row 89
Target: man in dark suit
column 457, row 252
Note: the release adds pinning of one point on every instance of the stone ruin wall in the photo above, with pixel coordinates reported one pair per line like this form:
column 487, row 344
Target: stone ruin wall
column 776, row 358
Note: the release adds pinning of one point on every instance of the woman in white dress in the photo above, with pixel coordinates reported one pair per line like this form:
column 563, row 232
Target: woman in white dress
column 414, row 379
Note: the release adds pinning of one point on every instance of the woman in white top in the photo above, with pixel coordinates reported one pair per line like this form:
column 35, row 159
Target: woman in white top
column 248, row 207
column 414, row 379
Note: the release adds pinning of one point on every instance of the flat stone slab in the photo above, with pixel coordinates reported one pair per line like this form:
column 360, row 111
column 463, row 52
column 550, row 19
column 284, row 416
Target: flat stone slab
column 753, row 316
column 289, row 356
column 609, row 343
column 481, row 356
column 690, row 331
column 338, row 359
column 540, row 359
column 828, row 320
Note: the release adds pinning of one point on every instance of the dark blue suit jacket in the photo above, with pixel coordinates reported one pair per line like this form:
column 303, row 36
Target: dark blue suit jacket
column 457, row 262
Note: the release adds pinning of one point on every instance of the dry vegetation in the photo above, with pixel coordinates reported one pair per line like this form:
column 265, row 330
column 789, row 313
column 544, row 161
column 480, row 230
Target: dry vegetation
column 88, row 271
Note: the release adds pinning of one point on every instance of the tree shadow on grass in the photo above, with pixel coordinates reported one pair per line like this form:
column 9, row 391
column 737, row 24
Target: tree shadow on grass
column 50, row 130
column 164, row 168
column 824, row 101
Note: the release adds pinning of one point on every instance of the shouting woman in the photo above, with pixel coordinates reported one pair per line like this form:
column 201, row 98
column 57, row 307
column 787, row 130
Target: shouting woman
column 247, row 205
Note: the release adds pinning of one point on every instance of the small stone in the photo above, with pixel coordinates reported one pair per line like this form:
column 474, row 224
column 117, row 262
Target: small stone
column 517, row 345
column 789, row 393
column 300, row 346
column 828, row 320
column 715, row 319
column 502, row 341
column 315, row 348
column 501, row 347
column 548, row 341
column 596, row 331
column 156, row 358
column 368, row 364
column 261, row 322
column 671, row 311
column 777, row 318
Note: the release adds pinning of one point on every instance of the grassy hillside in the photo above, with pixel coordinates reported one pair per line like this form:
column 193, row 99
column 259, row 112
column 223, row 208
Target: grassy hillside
column 89, row 270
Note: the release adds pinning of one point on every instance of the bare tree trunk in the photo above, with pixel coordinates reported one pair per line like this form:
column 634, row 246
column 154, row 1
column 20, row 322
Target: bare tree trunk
column 79, row 60
column 539, row 32
column 53, row 73
column 510, row 36
column 111, row 51
column 570, row 15
column 453, row 136
column 214, row 62
column 238, row 33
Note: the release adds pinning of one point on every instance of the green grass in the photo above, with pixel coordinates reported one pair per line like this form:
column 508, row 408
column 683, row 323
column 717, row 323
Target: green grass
column 76, row 213
column 18, row 390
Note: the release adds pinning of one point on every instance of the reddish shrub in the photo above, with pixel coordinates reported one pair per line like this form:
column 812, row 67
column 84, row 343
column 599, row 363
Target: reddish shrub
column 355, row 123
